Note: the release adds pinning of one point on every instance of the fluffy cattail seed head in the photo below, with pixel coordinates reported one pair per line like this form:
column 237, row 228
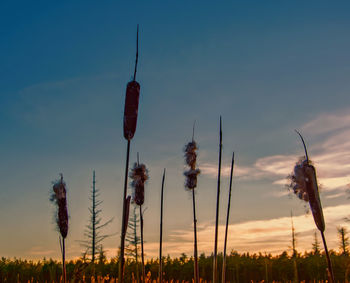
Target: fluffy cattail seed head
column 304, row 185
column 298, row 183
column 191, row 160
column 191, row 178
column 59, row 197
column 139, row 175
column 190, row 154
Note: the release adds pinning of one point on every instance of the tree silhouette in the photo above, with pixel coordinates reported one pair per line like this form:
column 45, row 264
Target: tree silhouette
column 133, row 240
column 343, row 240
column 316, row 245
column 92, row 232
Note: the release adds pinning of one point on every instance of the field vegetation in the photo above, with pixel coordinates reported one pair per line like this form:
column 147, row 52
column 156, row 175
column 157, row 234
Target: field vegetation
column 242, row 268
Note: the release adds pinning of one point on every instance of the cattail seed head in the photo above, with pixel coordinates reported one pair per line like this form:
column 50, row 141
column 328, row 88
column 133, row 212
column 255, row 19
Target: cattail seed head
column 59, row 197
column 190, row 154
column 298, row 183
column 304, row 185
column 191, row 160
column 139, row 175
column 191, row 178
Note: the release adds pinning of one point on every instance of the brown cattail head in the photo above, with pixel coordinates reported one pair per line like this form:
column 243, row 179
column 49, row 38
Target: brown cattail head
column 304, row 185
column 191, row 178
column 191, row 160
column 139, row 174
column 314, row 196
column 131, row 109
column 59, row 196
column 132, row 100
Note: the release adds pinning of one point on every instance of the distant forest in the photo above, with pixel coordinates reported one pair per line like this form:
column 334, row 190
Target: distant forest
column 309, row 267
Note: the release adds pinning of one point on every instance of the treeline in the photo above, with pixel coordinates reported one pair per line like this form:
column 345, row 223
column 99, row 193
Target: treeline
column 240, row 268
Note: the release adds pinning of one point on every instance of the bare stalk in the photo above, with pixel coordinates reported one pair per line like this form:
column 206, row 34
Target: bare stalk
column 142, row 251
column 227, row 221
column 161, row 232
column 196, row 269
column 215, row 264
column 64, row 260
column 137, row 52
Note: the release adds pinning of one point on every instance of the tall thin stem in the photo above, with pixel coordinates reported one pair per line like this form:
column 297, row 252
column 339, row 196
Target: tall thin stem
column 227, row 221
column 161, row 231
column 215, row 265
column 196, row 269
column 123, row 232
column 136, row 253
column 142, row 251
column 305, row 149
column 93, row 244
column 64, row 260
column 137, row 52
column 329, row 263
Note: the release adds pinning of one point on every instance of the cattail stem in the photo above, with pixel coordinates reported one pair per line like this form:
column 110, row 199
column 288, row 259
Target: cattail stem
column 215, row 264
column 142, row 251
column 329, row 263
column 123, row 232
column 161, row 231
column 137, row 52
column 227, row 221
column 196, row 269
column 63, row 260
column 305, row 149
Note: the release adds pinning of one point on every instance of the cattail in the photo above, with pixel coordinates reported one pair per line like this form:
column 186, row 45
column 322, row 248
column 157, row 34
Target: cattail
column 304, row 185
column 191, row 184
column 131, row 109
column 59, row 197
column 190, row 154
column 132, row 100
column 298, row 183
column 191, row 178
column 129, row 128
column 139, row 176
column 191, row 159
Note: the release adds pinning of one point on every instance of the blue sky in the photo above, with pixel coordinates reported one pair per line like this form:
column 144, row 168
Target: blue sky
column 266, row 67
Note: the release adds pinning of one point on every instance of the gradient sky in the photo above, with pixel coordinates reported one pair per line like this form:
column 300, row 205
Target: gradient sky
column 267, row 67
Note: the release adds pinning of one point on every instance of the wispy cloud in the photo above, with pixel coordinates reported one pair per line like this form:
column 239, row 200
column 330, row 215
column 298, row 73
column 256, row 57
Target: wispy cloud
column 328, row 122
column 40, row 251
column 330, row 153
column 211, row 170
column 270, row 235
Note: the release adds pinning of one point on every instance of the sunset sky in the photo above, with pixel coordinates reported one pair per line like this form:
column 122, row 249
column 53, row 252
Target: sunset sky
column 267, row 67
